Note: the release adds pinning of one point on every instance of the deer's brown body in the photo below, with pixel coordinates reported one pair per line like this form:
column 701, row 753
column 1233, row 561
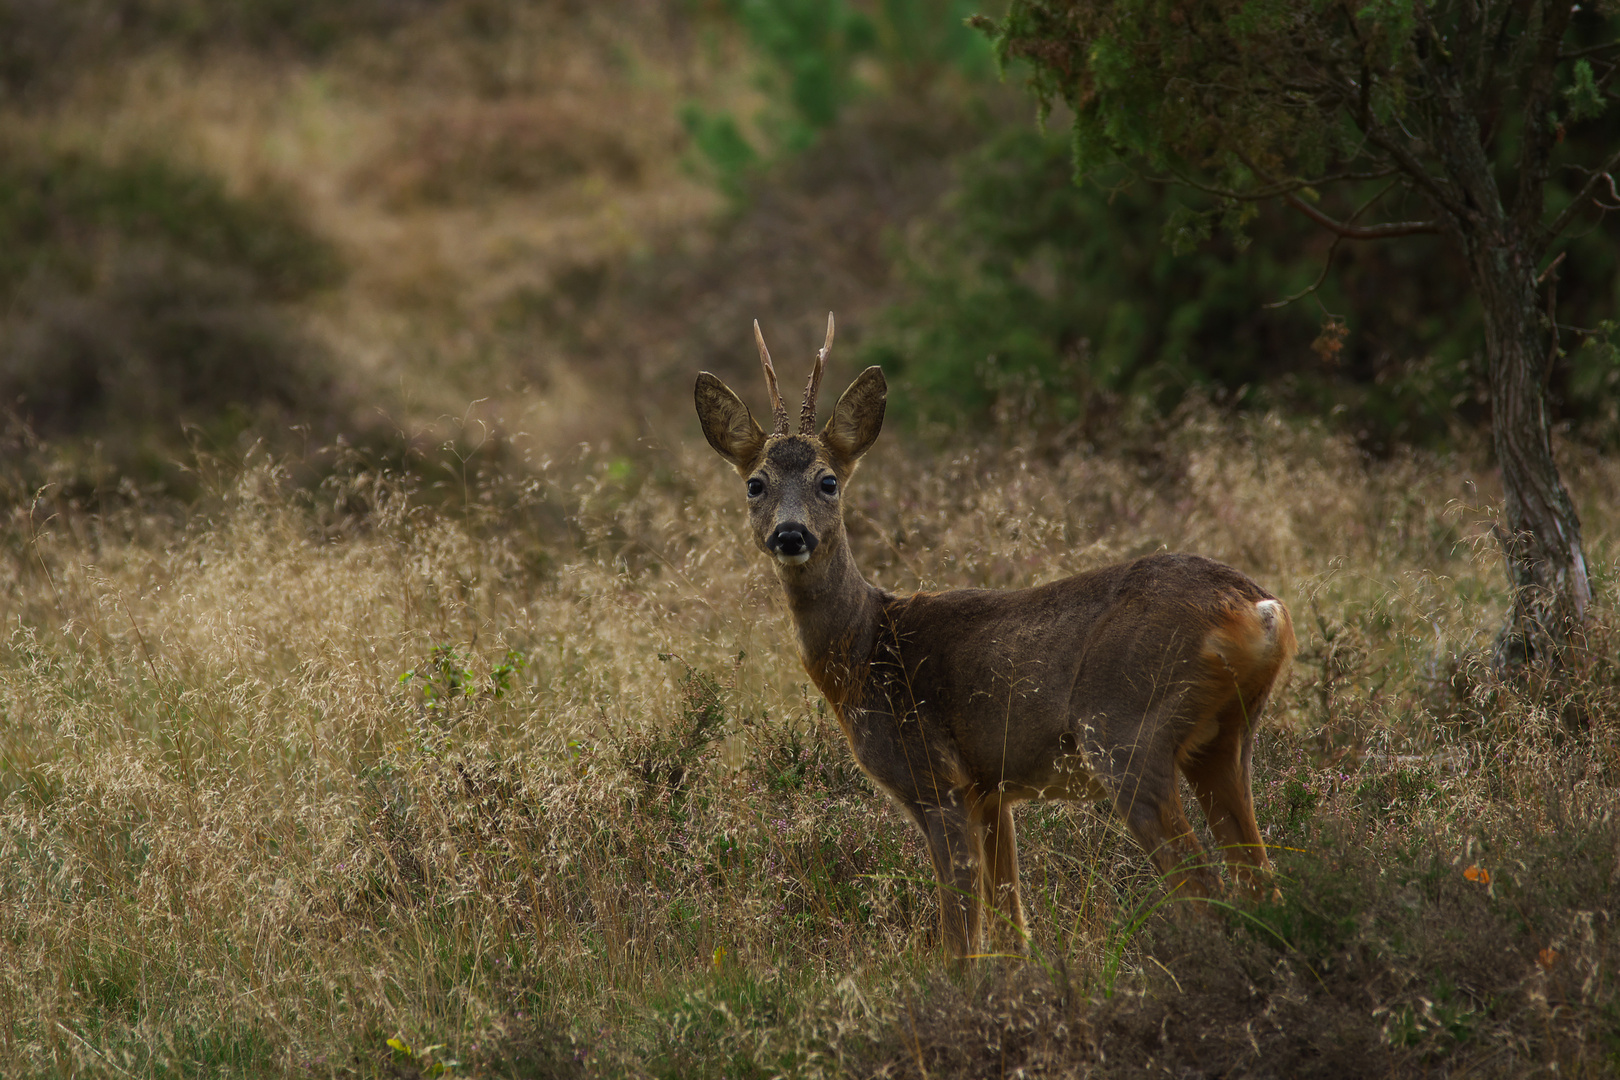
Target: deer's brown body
column 960, row 704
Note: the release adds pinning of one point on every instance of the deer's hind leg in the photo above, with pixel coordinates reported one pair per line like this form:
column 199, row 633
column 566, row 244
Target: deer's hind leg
column 1221, row 775
column 1245, row 654
column 1147, row 797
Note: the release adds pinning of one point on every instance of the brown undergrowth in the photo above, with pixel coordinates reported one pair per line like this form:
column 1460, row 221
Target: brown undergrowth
column 365, row 781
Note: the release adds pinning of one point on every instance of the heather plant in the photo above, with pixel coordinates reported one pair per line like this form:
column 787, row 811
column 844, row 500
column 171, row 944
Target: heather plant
column 345, row 781
column 140, row 296
column 43, row 45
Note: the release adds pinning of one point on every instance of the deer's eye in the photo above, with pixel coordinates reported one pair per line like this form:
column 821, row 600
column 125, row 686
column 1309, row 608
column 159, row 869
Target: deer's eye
column 756, row 487
column 829, row 485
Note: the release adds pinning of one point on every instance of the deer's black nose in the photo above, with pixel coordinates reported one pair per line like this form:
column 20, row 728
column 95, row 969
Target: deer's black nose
column 791, row 539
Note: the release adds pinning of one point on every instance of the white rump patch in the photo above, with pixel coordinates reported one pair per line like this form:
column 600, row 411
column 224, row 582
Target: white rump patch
column 1267, row 610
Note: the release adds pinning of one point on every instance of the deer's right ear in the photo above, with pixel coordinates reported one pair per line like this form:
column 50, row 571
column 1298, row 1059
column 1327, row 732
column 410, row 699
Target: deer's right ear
column 857, row 418
column 727, row 423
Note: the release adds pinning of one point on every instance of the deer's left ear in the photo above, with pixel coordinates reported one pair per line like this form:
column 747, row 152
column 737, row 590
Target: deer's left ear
column 727, row 423
column 857, row 418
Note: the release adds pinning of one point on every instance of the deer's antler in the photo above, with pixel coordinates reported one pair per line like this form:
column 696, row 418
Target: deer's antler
column 777, row 408
column 807, row 411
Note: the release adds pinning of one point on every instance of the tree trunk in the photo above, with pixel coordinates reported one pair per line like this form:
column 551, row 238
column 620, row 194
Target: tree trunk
column 1542, row 538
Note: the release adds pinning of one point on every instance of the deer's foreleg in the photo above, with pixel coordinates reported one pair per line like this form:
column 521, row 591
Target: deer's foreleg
column 955, row 846
column 1001, row 872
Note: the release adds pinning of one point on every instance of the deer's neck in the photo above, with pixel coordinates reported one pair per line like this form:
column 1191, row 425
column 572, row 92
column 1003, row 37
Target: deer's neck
column 836, row 614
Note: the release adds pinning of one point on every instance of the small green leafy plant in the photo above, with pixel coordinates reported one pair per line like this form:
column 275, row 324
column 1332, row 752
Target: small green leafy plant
column 447, row 677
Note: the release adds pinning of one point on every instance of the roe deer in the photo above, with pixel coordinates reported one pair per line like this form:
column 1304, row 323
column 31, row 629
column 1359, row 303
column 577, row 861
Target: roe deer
column 960, row 704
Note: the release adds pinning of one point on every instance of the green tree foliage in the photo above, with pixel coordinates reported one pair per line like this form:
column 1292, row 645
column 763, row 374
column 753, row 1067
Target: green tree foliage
column 1391, row 120
column 1029, row 282
column 1082, row 299
column 810, row 50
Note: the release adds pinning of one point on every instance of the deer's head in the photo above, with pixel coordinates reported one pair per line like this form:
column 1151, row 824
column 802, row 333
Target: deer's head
column 794, row 482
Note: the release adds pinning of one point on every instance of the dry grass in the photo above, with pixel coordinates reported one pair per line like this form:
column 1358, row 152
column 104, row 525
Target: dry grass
column 604, row 828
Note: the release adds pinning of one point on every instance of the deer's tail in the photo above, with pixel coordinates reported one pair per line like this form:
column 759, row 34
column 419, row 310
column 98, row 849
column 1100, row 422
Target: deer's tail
column 1251, row 646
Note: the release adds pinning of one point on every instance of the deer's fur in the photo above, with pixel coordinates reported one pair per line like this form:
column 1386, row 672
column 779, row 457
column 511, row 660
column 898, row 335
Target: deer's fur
column 961, row 704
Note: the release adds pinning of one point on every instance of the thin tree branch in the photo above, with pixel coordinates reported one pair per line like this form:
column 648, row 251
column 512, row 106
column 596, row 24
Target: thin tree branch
column 1333, row 249
column 1552, row 268
column 1469, row 48
column 1613, row 194
column 1590, row 50
column 1274, row 188
column 1356, row 97
column 1495, row 48
column 1608, row 77
column 1362, row 232
column 1437, row 188
column 1577, row 204
column 1344, row 229
column 1327, row 264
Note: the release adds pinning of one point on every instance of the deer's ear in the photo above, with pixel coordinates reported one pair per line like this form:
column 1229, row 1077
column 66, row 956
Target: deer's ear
column 727, row 423
column 857, row 418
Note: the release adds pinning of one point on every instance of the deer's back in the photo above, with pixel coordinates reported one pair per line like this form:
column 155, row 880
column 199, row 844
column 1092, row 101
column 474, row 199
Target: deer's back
column 999, row 684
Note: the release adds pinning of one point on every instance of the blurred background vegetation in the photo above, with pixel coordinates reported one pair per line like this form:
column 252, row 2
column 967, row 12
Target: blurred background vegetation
column 513, row 226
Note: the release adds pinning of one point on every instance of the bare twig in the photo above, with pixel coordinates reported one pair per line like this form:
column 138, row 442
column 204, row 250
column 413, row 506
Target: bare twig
column 1552, row 267
column 1613, row 194
column 1590, row 50
column 1360, row 232
column 1343, row 229
column 1327, row 264
column 1273, row 189
column 1587, row 193
column 1438, row 188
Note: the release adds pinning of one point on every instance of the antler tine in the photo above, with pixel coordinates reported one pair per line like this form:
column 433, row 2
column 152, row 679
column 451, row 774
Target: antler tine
column 807, row 411
column 778, row 409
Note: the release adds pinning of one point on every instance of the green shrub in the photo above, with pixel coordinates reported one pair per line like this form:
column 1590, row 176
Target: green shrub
column 1039, row 301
